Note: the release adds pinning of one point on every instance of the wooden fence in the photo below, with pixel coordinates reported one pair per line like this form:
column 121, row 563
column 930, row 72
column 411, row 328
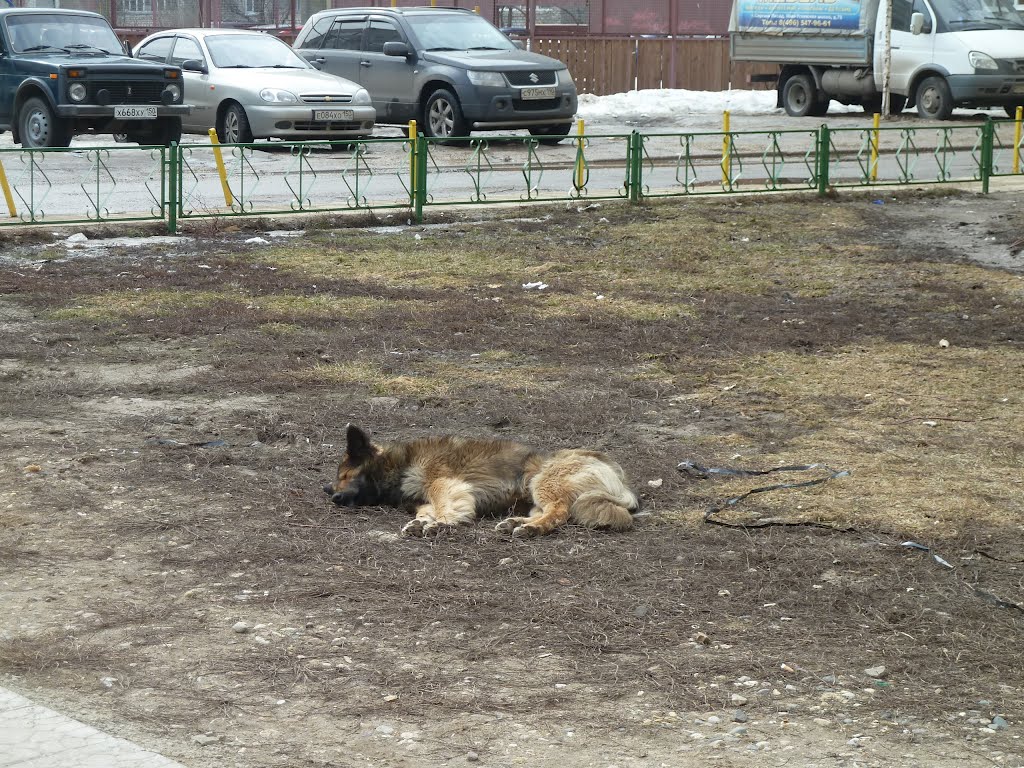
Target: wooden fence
column 605, row 65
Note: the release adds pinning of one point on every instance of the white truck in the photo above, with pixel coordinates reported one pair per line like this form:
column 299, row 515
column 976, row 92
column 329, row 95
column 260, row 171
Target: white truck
column 941, row 53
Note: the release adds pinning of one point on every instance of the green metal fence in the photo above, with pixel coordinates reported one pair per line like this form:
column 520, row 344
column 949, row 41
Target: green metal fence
column 198, row 180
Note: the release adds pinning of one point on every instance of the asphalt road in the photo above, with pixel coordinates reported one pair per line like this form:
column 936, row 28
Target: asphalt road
column 99, row 178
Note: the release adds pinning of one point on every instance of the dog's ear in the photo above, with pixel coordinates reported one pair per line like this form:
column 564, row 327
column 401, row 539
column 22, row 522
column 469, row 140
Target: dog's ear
column 359, row 447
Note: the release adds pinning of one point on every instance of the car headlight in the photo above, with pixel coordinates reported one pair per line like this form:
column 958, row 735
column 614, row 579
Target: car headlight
column 78, row 92
column 173, row 91
column 980, row 60
column 361, row 98
column 277, row 96
column 491, row 79
column 565, row 78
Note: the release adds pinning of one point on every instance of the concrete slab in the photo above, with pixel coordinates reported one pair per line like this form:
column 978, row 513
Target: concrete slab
column 32, row 736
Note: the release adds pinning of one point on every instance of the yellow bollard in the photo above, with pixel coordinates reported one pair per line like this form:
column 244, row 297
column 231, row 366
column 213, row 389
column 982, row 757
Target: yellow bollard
column 229, row 199
column 412, row 155
column 874, row 149
column 726, row 161
column 1016, row 139
column 394, row 3
column 10, row 198
column 476, row 9
column 580, row 165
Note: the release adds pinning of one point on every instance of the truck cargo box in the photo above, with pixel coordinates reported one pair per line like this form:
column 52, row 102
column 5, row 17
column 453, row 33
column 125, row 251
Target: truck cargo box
column 784, row 31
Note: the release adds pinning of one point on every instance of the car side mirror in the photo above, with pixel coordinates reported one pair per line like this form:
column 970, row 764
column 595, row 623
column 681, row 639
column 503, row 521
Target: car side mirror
column 397, row 49
column 194, row 65
column 916, row 23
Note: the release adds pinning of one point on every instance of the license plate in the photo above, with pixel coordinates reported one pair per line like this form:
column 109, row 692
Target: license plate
column 537, row 93
column 329, row 115
column 123, row 112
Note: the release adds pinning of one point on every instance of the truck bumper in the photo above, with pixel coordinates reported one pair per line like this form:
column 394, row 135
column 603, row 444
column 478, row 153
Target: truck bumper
column 986, row 90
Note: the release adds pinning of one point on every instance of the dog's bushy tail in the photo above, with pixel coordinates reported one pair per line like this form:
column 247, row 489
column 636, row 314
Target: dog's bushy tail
column 601, row 509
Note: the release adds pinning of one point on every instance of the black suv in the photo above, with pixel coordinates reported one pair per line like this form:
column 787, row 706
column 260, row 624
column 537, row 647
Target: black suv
column 65, row 72
column 448, row 69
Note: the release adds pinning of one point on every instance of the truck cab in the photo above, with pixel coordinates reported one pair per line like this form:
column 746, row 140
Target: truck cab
column 949, row 53
column 937, row 54
column 65, row 72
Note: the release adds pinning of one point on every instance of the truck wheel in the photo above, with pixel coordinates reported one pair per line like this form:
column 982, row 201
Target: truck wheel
column 442, row 116
column 233, row 126
column 799, row 96
column 934, row 100
column 820, row 108
column 38, row 127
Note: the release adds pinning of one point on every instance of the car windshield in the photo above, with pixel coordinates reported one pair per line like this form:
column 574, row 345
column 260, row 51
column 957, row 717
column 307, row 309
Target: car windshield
column 61, row 33
column 457, row 32
column 964, row 15
column 252, row 52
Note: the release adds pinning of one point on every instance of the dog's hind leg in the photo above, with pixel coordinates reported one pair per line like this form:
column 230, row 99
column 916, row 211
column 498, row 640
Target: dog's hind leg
column 550, row 514
column 551, row 509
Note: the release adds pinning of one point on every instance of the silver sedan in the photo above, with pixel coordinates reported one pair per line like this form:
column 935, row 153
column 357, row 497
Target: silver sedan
column 250, row 85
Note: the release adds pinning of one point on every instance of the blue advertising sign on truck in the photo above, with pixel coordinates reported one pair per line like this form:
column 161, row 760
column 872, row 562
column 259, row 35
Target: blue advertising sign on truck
column 791, row 14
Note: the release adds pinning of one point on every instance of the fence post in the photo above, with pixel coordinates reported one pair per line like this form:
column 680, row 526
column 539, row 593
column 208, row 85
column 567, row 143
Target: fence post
column 171, row 169
column 824, row 142
column 987, row 141
column 634, row 166
column 1018, row 116
column 420, row 148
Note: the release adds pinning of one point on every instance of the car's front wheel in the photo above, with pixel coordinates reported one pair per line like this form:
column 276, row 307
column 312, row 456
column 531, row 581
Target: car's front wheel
column 551, row 134
column 233, row 125
column 443, row 116
column 38, row 127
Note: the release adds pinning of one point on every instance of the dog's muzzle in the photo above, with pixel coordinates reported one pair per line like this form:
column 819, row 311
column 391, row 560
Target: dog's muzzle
column 343, row 499
column 329, row 489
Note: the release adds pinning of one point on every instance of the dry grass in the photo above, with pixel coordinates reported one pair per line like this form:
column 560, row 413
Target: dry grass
column 749, row 334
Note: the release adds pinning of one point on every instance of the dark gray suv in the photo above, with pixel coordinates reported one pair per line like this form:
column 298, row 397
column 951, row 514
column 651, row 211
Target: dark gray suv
column 446, row 68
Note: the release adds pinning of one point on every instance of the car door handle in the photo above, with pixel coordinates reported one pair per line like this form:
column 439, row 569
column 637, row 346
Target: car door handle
column 365, row 63
column 319, row 60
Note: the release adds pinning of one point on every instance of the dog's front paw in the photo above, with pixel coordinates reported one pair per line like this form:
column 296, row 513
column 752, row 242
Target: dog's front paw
column 509, row 524
column 413, row 528
column 433, row 528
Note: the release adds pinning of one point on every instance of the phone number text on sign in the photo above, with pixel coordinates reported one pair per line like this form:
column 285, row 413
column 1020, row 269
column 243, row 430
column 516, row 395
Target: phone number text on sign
column 816, row 14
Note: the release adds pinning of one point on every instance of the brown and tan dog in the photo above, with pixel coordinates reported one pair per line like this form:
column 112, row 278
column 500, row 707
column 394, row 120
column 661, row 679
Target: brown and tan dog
column 450, row 480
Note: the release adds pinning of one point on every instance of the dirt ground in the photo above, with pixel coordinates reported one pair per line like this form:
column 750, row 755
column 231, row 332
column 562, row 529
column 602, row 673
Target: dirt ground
column 171, row 571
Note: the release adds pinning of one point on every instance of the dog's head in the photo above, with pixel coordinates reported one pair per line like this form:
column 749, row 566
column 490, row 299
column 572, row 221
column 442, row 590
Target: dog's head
column 351, row 487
